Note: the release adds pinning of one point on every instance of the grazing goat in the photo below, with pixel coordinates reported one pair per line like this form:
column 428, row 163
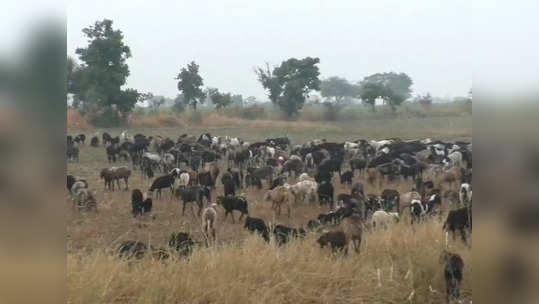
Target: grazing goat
column 453, row 273
column 382, row 218
column 254, row 224
column 336, row 239
column 115, row 174
column 161, row 182
column 283, row 234
column 459, row 219
column 209, row 216
column 182, row 243
column 85, row 199
column 354, row 228
column 279, row 196
column 231, row 203
column 140, row 205
column 193, row 194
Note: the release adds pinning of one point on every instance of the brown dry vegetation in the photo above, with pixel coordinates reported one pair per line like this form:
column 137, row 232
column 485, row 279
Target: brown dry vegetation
column 242, row 268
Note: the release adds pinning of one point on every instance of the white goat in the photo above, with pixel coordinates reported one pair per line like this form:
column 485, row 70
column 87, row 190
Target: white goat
column 382, row 218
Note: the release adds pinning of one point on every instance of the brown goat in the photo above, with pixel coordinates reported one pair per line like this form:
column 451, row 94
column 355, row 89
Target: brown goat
column 354, row 229
column 336, row 239
column 115, row 174
column 279, row 196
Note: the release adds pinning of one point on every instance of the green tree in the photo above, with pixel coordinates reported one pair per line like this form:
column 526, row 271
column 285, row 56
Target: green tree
column 220, row 100
column 393, row 87
column 179, row 104
column 190, row 84
column 97, row 82
column 289, row 84
column 336, row 92
column 336, row 89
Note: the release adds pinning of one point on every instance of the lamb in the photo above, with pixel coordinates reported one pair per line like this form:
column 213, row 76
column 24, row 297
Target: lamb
column 283, row 234
column 115, row 174
column 231, row 203
column 382, row 218
column 279, row 196
column 417, row 210
column 453, row 273
column 254, row 224
column 161, row 182
column 354, row 229
column 209, row 216
column 336, row 239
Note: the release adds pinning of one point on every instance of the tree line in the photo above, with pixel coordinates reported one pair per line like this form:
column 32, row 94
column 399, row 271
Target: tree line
column 96, row 84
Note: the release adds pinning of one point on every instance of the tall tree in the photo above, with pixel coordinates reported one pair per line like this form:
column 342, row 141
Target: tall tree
column 336, row 89
column 393, row 87
column 190, row 84
column 98, row 81
column 220, row 100
column 289, row 84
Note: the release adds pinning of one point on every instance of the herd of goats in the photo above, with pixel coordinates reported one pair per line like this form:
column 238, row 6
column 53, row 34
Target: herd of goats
column 189, row 168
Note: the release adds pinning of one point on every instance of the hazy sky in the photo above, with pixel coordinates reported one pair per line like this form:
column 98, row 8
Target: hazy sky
column 429, row 40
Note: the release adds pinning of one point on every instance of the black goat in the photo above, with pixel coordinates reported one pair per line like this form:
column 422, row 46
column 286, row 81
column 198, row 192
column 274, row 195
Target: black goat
column 138, row 204
column 346, row 177
column 254, row 224
column 283, row 234
column 165, row 181
column 231, row 203
column 193, row 194
column 459, row 219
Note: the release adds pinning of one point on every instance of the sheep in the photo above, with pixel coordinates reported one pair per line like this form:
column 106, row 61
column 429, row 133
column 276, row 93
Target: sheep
column 465, row 193
column 109, row 175
column 279, row 196
column 303, row 190
column 182, row 243
column 254, row 224
column 283, row 233
column 383, row 218
column 354, row 229
column 453, row 273
column 231, row 203
column 304, row 176
column 336, row 239
column 161, row 182
column 209, row 216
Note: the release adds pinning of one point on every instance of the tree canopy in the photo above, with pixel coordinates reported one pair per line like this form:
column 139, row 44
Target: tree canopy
column 392, row 87
column 338, row 89
column 289, row 84
column 96, row 83
column 220, row 100
column 190, row 84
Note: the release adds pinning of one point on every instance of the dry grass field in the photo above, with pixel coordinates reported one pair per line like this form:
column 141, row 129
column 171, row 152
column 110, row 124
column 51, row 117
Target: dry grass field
column 242, row 268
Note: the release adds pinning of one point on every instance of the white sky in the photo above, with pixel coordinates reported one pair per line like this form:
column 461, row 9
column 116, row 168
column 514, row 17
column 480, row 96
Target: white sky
column 429, row 40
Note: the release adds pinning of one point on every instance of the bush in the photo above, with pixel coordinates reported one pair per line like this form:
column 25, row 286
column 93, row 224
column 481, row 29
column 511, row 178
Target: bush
column 253, row 112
